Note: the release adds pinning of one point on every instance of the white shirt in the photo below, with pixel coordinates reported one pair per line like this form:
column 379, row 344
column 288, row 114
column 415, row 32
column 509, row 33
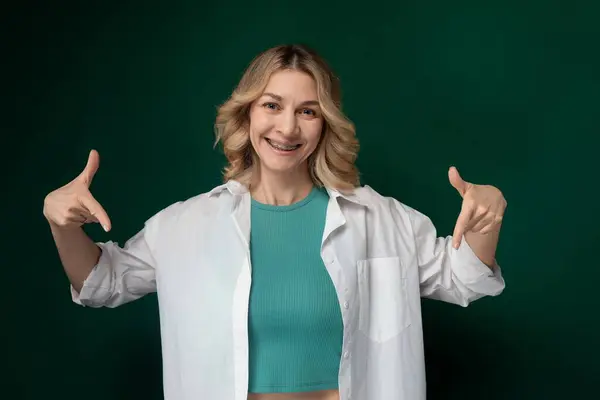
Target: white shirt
column 382, row 256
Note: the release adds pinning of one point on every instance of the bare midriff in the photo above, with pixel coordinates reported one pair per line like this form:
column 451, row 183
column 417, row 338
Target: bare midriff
column 318, row 395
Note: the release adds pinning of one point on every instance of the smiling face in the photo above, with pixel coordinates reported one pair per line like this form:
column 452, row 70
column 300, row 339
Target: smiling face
column 286, row 123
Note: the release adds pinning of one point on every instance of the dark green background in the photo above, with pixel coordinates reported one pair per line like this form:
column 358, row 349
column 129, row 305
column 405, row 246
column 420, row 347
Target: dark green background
column 509, row 91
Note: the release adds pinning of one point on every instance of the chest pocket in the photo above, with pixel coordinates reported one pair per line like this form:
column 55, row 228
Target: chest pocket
column 382, row 289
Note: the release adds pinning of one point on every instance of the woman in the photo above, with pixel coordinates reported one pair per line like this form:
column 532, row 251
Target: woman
column 289, row 281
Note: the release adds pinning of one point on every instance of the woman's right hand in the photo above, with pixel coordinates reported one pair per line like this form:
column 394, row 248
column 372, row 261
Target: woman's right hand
column 73, row 205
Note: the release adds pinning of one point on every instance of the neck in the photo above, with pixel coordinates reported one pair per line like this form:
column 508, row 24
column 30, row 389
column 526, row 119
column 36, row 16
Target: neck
column 280, row 189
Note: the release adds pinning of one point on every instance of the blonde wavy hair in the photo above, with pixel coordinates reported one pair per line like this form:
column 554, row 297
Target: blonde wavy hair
column 332, row 164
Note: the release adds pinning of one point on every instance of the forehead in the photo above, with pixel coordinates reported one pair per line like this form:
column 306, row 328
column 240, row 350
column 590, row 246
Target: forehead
column 292, row 84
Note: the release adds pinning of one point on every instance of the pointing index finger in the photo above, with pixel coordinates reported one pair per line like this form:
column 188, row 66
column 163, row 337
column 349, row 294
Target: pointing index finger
column 97, row 211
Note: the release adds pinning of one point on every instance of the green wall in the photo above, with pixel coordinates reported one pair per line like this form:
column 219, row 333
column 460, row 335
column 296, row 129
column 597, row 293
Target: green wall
column 508, row 91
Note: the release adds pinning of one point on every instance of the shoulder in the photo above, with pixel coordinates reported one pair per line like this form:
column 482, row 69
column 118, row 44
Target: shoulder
column 385, row 209
column 208, row 204
column 378, row 202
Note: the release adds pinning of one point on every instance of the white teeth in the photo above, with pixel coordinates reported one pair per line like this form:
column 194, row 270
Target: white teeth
column 281, row 146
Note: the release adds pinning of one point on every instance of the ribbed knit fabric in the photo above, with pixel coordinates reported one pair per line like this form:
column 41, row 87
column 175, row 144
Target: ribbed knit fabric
column 295, row 323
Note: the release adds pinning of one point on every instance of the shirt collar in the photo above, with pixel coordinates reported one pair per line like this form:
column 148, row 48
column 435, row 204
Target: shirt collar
column 238, row 189
column 234, row 187
column 354, row 197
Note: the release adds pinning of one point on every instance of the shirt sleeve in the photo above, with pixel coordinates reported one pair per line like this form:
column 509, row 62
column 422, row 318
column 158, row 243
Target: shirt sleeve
column 452, row 275
column 122, row 274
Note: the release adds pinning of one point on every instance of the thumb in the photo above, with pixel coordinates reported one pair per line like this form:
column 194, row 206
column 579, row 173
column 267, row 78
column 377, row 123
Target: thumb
column 456, row 181
column 93, row 162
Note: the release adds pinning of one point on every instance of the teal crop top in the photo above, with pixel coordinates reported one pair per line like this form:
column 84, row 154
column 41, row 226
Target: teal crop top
column 294, row 317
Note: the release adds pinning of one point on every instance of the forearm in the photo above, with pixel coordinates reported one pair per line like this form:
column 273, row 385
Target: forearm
column 484, row 246
column 77, row 252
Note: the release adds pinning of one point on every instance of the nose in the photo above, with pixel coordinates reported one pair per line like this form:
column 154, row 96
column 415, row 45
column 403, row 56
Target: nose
column 287, row 124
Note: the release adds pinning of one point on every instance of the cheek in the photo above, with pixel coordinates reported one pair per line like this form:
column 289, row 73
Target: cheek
column 259, row 123
column 253, row 119
column 313, row 134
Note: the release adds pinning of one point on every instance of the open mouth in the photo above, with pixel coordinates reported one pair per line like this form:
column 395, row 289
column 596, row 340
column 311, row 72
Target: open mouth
column 281, row 146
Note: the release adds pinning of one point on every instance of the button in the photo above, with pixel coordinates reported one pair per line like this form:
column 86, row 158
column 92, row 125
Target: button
column 346, row 354
column 346, row 305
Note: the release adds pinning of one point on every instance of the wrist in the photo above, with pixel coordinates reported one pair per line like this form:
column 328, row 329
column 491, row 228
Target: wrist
column 62, row 229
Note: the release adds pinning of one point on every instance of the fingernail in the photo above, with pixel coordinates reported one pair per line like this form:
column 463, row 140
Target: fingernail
column 105, row 228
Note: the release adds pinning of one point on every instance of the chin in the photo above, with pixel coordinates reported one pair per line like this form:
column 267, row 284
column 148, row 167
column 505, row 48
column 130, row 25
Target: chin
column 280, row 166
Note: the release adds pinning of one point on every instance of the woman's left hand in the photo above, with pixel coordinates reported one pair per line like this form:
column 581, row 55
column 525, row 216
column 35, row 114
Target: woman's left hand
column 482, row 208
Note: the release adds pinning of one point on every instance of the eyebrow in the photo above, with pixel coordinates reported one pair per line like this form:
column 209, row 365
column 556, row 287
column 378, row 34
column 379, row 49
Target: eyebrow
column 279, row 98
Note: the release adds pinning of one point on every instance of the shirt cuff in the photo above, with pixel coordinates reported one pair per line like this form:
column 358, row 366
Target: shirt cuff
column 474, row 273
column 93, row 284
